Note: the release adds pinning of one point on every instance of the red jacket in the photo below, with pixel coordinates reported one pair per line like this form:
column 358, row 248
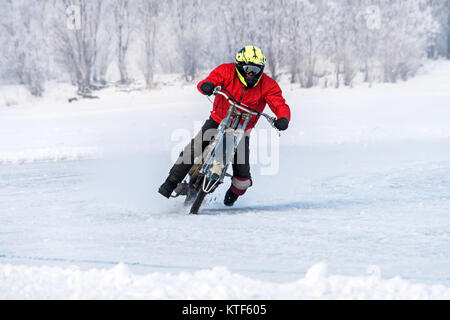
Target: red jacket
column 267, row 91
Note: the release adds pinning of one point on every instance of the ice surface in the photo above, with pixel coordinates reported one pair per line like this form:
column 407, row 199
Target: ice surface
column 357, row 210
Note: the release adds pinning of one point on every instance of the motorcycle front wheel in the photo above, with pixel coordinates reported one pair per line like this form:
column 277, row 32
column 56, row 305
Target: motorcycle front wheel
column 198, row 201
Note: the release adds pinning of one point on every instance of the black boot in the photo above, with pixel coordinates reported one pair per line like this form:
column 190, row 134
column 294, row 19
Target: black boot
column 167, row 188
column 230, row 198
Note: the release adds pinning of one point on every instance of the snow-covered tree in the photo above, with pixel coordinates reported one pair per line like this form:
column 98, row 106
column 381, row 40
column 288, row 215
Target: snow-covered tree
column 76, row 28
column 320, row 42
column 149, row 20
column 188, row 15
column 122, row 31
column 24, row 53
column 405, row 33
column 438, row 43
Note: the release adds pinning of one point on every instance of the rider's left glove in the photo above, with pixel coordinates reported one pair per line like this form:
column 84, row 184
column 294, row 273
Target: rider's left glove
column 207, row 88
column 281, row 124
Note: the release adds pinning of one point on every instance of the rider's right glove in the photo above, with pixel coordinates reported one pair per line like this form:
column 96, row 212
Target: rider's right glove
column 207, row 88
column 281, row 124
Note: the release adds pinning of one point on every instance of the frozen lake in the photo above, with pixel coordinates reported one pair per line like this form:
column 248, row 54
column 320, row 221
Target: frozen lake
column 350, row 207
column 357, row 206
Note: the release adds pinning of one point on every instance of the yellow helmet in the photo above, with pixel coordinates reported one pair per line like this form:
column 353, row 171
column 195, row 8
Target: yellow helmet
column 250, row 62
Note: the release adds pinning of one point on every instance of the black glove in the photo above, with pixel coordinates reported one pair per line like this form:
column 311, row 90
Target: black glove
column 207, row 88
column 281, row 124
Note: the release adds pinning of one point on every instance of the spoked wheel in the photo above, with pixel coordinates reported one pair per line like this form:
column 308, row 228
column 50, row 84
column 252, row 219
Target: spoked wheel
column 195, row 194
column 192, row 190
column 198, row 201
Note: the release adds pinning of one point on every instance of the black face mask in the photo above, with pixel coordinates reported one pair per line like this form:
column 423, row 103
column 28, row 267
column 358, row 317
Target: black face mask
column 253, row 80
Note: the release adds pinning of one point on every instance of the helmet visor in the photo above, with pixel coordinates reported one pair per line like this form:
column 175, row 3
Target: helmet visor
column 248, row 68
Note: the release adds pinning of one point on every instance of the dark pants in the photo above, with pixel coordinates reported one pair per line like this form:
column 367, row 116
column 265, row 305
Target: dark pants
column 241, row 164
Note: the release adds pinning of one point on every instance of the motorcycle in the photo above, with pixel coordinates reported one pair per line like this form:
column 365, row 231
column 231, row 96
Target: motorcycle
column 210, row 171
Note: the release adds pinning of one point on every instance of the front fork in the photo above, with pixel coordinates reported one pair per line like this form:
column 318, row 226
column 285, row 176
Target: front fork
column 226, row 144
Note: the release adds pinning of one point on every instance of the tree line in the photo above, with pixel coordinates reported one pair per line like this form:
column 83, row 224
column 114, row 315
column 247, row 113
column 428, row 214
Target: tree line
column 323, row 42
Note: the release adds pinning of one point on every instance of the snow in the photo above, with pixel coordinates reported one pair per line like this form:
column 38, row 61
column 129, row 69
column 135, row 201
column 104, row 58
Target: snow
column 218, row 283
column 357, row 208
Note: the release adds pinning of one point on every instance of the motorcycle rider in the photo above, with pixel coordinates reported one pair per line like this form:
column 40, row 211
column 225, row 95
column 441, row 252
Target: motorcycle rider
column 245, row 80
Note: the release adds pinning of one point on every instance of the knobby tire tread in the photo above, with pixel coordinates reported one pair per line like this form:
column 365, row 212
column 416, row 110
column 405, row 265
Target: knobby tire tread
column 198, row 202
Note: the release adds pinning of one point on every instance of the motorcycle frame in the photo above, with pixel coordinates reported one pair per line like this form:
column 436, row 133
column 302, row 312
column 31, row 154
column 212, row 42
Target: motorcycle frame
column 226, row 131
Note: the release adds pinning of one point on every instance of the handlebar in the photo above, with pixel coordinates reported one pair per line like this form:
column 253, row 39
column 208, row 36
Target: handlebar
column 243, row 107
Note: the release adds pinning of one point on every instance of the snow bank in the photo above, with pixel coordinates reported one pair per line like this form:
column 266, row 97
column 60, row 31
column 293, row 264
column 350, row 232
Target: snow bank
column 23, row 282
column 18, row 95
column 413, row 110
column 12, row 95
column 48, row 155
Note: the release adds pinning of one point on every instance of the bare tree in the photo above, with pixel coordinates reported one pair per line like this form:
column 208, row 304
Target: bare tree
column 122, row 24
column 448, row 28
column 310, row 42
column 240, row 28
column 187, row 30
column 292, row 36
column 344, row 41
column 149, row 20
column 437, row 44
column 369, row 23
column 271, row 35
column 405, row 32
column 76, row 43
column 23, row 52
